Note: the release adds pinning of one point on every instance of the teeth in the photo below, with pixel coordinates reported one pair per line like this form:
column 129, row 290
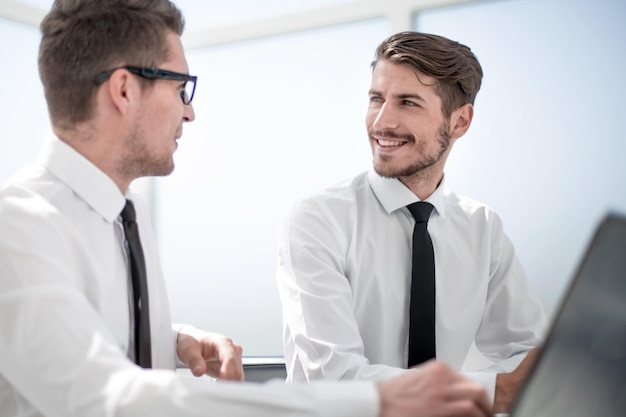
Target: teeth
column 383, row 142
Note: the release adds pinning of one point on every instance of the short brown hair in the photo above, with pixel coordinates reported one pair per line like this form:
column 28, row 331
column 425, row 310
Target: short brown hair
column 81, row 38
column 453, row 65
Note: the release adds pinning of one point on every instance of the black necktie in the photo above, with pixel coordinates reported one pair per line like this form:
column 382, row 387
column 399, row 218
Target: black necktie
column 422, row 315
column 143, row 355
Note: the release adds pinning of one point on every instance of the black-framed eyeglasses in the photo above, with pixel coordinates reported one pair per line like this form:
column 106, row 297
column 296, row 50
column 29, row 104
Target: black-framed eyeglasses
column 186, row 93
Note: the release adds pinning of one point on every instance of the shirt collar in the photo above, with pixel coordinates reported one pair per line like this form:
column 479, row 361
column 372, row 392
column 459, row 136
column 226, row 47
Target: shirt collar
column 84, row 178
column 394, row 195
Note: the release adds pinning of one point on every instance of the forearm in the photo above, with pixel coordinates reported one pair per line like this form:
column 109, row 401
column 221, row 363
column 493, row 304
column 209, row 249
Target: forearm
column 61, row 365
column 162, row 394
column 305, row 370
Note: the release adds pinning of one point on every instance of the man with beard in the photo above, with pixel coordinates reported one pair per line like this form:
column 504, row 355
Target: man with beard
column 345, row 254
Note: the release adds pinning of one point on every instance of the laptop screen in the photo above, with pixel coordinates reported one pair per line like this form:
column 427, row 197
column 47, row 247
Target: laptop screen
column 581, row 370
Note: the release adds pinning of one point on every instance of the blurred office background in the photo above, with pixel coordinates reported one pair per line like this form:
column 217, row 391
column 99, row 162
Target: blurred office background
column 280, row 109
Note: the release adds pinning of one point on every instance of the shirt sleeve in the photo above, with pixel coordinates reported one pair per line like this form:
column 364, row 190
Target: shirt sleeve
column 513, row 313
column 322, row 339
column 68, row 367
column 59, row 358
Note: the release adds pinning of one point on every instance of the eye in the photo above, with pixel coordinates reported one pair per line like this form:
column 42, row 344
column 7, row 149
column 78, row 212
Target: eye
column 376, row 99
column 409, row 103
column 186, row 92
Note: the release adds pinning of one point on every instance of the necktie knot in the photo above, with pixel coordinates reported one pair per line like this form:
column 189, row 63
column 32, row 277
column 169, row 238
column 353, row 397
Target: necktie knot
column 420, row 211
column 128, row 212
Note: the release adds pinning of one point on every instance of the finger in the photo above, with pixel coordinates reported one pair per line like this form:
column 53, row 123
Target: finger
column 197, row 365
column 190, row 354
column 213, row 368
column 232, row 365
column 224, row 361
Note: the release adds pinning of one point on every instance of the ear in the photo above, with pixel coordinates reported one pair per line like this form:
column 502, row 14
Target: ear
column 122, row 89
column 461, row 120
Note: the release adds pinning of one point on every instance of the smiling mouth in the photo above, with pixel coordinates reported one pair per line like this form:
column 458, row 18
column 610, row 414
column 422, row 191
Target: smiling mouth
column 388, row 143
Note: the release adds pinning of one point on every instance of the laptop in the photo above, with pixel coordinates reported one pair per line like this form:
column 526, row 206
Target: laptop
column 581, row 369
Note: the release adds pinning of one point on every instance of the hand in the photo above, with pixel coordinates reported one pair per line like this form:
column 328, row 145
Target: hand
column 210, row 353
column 432, row 390
column 508, row 384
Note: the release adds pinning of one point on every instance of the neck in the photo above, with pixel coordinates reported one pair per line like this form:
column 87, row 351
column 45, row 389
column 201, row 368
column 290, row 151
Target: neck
column 423, row 184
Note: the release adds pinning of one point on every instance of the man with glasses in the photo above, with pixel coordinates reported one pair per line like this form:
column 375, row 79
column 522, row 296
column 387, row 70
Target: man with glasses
column 85, row 328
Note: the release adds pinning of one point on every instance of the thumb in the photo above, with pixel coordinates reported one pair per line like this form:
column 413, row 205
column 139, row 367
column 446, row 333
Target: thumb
column 197, row 364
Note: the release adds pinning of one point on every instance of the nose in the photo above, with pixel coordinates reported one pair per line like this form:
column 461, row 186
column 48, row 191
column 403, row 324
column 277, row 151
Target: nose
column 189, row 115
column 384, row 117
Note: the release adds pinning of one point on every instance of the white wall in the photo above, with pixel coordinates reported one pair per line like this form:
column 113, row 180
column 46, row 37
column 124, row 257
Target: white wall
column 281, row 117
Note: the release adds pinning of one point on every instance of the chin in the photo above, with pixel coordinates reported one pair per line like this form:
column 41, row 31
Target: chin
column 384, row 167
column 385, row 171
column 168, row 170
column 162, row 169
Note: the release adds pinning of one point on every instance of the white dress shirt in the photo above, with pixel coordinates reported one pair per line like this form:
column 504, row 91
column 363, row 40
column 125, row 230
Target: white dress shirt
column 64, row 312
column 344, row 278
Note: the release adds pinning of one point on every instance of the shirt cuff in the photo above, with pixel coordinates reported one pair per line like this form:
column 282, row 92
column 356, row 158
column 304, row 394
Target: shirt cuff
column 486, row 379
column 175, row 330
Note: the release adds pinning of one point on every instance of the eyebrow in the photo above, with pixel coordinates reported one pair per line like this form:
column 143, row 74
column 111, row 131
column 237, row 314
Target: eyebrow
column 403, row 96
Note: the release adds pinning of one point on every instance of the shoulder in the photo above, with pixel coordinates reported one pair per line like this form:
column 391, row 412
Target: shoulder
column 32, row 191
column 22, row 202
column 336, row 200
column 468, row 209
column 34, row 216
column 27, row 216
column 35, row 238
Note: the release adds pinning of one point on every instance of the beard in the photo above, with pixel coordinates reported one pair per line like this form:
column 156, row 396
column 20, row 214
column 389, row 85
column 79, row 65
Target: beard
column 138, row 160
column 425, row 158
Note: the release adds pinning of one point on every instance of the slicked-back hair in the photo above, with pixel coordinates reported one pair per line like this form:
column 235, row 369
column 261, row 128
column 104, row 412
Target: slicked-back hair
column 454, row 66
column 82, row 38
